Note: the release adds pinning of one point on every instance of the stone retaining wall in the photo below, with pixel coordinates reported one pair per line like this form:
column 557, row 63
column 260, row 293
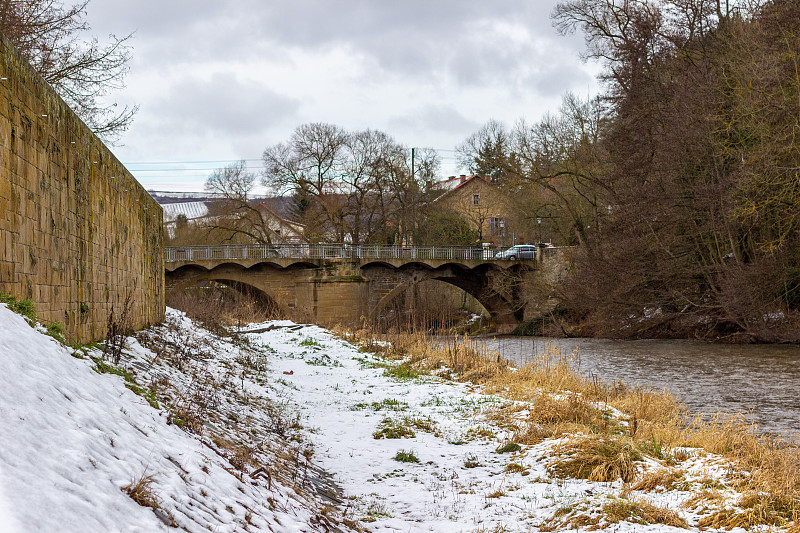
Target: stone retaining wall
column 77, row 231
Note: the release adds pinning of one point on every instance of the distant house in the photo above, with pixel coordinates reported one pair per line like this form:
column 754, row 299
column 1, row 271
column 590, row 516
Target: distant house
column 488, row 210
column 283, row 230
column 201, row 209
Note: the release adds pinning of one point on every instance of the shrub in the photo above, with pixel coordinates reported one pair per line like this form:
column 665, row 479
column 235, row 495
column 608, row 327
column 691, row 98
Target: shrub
column 118, row 329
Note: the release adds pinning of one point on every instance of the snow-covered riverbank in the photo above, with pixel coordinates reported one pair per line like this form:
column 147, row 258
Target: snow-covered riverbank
column 246, row 429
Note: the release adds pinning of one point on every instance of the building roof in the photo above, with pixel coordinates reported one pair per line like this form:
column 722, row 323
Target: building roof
column 192, row 210
column 456, row 182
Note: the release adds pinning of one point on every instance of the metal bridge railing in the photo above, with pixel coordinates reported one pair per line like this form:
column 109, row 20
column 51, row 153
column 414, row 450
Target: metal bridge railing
column 324, row 251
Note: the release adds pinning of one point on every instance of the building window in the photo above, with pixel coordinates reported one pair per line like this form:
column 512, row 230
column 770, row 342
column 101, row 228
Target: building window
column 494, row 226
column 497, row 226
column 474, row 199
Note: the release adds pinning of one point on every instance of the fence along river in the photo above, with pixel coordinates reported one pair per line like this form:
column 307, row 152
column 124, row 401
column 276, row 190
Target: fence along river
column 761, row 381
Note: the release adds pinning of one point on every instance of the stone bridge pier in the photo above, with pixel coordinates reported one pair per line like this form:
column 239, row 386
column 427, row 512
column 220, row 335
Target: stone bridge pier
column 352, row 291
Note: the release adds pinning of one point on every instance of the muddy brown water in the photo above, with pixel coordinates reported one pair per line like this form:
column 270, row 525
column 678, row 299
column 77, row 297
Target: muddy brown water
column 762, row 381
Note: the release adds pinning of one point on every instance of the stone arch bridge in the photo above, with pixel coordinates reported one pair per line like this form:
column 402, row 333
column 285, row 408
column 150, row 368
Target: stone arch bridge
column 345, row 284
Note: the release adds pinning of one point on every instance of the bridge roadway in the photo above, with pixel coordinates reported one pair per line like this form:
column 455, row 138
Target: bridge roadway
column 348, row 284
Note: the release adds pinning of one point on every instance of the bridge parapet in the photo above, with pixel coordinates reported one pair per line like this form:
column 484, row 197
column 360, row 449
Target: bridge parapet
column 185, row 254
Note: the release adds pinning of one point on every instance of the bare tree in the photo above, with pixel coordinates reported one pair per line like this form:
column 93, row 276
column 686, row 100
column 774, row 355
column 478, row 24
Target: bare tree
column 234, row 216
column 309, row 166
column 350, row 184
column 49, row 35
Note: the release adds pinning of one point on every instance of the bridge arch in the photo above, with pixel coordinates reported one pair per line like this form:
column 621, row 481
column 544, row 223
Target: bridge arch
column 231, row 275
column 474, row 281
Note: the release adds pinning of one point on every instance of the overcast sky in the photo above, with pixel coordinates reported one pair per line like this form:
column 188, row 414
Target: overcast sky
column 220, row 81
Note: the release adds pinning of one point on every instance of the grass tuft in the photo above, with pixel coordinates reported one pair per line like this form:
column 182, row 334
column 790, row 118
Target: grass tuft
column 664, row 479
column 597, row 459
column 508, row 447
column 640, row 512
column 141, row 491
column 406, row 456
column 393, row 429
column 514, row 468
column 471, row 461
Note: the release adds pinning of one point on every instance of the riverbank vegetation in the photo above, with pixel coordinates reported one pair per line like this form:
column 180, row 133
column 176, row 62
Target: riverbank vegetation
column 606, row 429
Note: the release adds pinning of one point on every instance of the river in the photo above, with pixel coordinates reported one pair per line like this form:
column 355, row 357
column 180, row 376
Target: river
column 763, row 381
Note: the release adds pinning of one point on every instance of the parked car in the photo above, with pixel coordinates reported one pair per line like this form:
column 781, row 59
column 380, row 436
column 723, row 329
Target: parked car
column 519, row 251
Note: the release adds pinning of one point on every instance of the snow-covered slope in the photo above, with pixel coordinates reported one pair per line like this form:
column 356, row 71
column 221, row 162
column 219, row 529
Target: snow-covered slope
column 71, row 440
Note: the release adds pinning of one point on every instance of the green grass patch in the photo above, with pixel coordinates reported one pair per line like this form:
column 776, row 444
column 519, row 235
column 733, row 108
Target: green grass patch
column 147, row 394
column 425, row 424
column 405, row 456
column 387, row 404
column 401, row 372
column 393, row 429
column 375, row 362
column 101, row 367
column 323, row 360
column 308, row 341
column 509, row 447
column 653, row 448
column 56, row 330
column 25, row 308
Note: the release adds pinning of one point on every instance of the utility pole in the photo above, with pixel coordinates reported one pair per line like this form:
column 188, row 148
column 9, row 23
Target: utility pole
column 414, row 181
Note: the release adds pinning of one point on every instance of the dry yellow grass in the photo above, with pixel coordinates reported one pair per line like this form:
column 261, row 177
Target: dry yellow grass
column 141, row 491
column 704, row 498
column 562, row 402
column 664, row 479
column 596, row 459
column 641, row 512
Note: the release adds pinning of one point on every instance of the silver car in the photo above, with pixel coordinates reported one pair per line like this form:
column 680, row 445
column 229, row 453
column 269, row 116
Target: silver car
column 519, row 251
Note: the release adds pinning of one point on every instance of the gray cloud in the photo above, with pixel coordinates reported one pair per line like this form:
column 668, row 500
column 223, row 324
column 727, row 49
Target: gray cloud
column 460, row 61
column 435, row 118
column 223, row 104
column 417, row 38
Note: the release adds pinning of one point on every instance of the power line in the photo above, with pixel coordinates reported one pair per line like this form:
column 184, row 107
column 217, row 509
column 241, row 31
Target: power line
column 183, row 169
column 207, row 161
column 188, row 162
